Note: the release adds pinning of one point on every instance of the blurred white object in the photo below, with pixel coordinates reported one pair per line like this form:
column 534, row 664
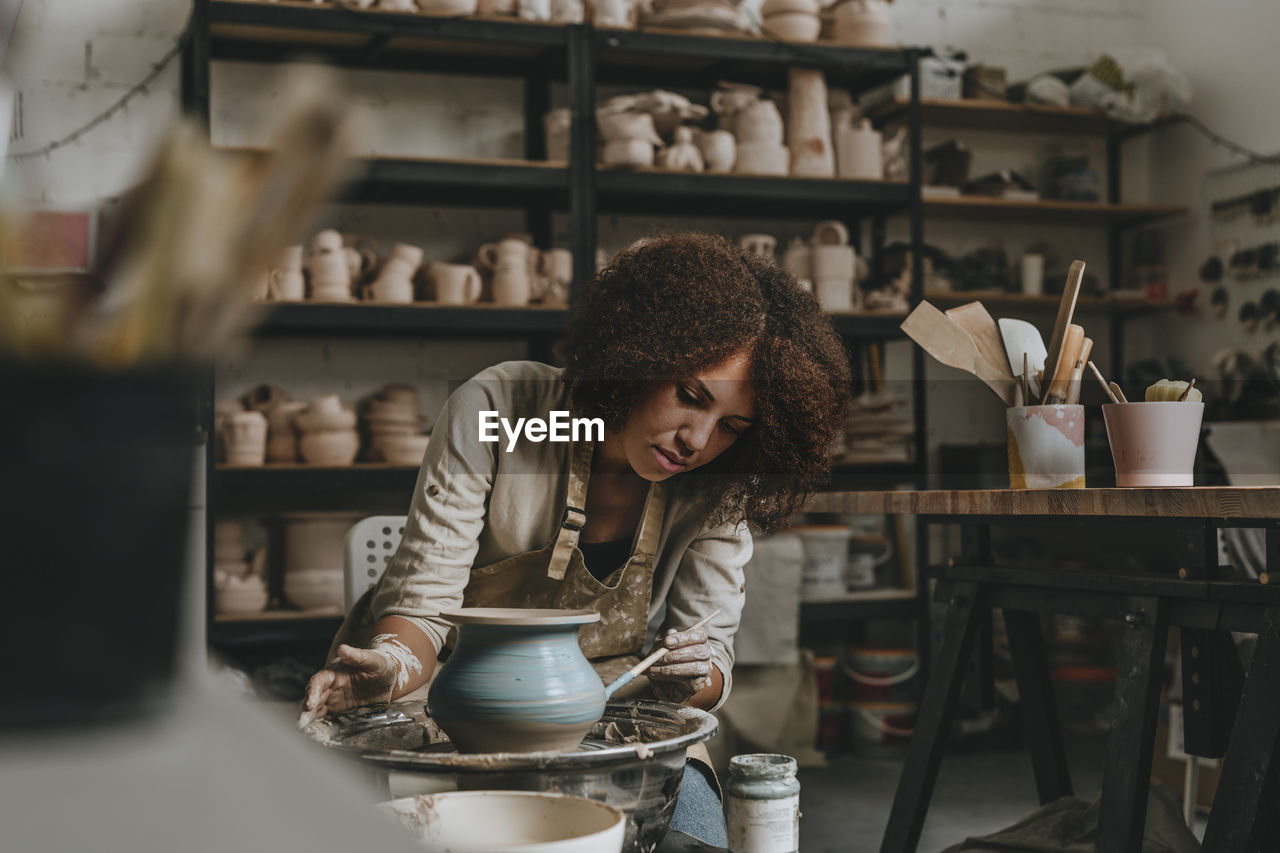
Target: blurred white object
column 683, row 156
column 613, row 13
column 568, row 11
column 809, row 125
column 1047, row 89
column 1033, row 274
column 1133, row 84
column 482, row 821
column 534, row 10
column 366, row 550
column 859, row 151
column 398, row 5
column 769, row 632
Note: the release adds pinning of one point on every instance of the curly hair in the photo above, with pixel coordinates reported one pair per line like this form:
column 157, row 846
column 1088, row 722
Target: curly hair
column 679, row 303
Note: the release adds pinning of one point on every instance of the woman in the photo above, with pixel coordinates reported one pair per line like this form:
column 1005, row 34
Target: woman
column 720, row 385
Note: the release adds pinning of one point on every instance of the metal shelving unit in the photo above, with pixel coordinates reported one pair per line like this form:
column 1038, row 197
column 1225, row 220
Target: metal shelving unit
column 541, row 55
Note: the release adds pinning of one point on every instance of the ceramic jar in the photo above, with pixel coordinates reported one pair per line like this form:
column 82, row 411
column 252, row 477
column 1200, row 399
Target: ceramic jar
column 865, row 23
column 556, row 268
column 719, row 150
column 394, row 285
column 761, row 122
column 245, row 438
column 791, row 20
column 618, row 125
column 834, row 265
column 329, row 269
column 513, row 262
column 286, row 283
column 730, row 100
column 325, row 414
column 328, row 433
column 758, row 244
column 809, row 125
column 859, row 152
column 762, row 158
column 517, row 681
column 455, row 284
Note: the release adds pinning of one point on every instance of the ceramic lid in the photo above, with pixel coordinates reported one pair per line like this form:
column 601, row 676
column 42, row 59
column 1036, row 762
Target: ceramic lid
column 518, row 616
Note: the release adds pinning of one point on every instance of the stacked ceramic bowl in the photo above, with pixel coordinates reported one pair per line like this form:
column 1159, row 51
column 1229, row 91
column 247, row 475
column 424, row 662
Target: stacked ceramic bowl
column 235, row 589
column 313, row 558
column 327, row 432
column 391, row 421
column 791, row 20
column 630, row 138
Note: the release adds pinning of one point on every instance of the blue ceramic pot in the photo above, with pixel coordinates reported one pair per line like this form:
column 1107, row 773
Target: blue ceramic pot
column 517, row 681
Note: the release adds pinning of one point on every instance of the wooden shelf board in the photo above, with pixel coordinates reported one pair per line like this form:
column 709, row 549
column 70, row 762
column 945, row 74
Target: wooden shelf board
column 1046, row 302
column 1001, row 115
column 1043, row 211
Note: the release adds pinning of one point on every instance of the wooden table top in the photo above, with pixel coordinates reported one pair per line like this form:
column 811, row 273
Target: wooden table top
column 1262, row 502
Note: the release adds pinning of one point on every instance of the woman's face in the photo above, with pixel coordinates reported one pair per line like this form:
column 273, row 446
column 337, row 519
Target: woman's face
column 684, row 424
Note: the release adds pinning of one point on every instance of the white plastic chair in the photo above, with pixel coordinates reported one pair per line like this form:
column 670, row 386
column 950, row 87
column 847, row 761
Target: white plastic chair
column 366, row 551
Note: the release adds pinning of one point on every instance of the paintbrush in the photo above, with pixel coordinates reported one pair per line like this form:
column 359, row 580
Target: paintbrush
column 653, row 658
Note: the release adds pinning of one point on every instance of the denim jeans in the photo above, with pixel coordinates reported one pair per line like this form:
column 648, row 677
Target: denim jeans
column 698, row 809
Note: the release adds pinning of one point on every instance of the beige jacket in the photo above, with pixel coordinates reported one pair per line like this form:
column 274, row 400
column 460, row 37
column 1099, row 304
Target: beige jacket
column 477, row 503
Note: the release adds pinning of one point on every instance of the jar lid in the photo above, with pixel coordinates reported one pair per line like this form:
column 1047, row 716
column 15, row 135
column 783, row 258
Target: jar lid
column 762, row 766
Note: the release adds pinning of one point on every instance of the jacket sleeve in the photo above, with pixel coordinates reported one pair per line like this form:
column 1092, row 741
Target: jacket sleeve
column 429, row 570
column 711, row 577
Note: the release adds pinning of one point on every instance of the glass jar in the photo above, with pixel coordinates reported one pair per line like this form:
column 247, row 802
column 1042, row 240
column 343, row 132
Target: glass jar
column 764, row 804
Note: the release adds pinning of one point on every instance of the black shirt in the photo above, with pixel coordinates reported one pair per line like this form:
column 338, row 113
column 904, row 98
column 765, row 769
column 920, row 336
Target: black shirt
column 604, row 558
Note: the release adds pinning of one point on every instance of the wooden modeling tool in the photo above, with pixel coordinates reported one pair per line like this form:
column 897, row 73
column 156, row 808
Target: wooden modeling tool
column 975, row 320
column 1103, row 382
column 1077, row 373
column 1072, row 344
column 1119, row 393
column 654, row 657
column 945, row 340
column 1066, row 310
column 1183, row 396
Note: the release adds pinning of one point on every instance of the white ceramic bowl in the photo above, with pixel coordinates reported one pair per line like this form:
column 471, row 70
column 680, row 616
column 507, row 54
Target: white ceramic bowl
column 510, row 822
column 335, row 448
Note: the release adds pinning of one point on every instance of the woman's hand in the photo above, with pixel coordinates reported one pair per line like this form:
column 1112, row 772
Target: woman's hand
column 356, row 677
column 686, row 669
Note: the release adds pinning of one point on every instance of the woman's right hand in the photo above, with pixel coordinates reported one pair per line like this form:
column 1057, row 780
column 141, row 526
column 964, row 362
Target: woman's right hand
column 355, row 677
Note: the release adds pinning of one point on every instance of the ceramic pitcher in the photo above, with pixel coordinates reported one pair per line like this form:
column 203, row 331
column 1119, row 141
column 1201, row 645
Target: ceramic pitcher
column 517, row 681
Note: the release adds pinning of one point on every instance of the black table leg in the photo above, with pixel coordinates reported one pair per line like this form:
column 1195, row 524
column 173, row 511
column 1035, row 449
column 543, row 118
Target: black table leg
column 1126, row 779
column 1247, row 766
column 915, row 786
column 1039, row 713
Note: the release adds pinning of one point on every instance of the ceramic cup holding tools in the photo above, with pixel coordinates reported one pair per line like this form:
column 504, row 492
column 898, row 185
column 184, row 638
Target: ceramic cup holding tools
column 1046, row 447
column 1153, row 444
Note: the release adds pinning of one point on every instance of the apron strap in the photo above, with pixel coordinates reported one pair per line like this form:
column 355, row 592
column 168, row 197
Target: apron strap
column 574, row 517
column 655, row 508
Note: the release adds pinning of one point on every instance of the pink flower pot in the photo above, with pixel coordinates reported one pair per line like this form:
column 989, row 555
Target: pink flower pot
column 1153, row 444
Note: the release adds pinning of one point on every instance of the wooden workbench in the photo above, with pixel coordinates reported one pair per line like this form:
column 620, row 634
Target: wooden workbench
column 1226, row 714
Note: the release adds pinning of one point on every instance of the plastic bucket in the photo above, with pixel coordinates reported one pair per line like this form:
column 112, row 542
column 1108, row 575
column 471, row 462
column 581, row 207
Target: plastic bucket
column 826, row 558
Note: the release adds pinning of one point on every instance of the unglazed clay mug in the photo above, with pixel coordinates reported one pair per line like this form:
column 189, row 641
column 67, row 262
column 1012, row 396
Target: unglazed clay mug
column 507, row 252
column 395, row 281
column 1153, row 444
column 1046, row 447
column 286, row 283
column 455, row 284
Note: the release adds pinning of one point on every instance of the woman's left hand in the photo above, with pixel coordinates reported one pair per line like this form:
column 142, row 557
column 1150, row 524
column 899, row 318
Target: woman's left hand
column 686, row 668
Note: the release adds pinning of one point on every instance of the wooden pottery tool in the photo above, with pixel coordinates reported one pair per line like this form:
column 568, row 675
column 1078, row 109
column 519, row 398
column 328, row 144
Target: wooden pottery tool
column 1116, row 389
column 1023, row 339
column 1077, row 372
column 950, row 344
column 653, row 658
column 974, row 319
column 1072, row 345
column 1183, row 396
column 1066, row 310
column 1103, row 382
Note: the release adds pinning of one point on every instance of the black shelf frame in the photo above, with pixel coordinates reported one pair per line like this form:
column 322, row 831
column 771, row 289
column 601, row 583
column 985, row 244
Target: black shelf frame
column 541, row 55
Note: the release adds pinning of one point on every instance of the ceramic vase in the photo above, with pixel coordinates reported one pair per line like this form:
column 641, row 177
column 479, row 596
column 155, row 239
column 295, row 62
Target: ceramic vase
column 761, row 123
column 328, row 268
column 809, row 125
column 455, row 284
column 719, row 150
column 395, row 282
column 517, row 681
